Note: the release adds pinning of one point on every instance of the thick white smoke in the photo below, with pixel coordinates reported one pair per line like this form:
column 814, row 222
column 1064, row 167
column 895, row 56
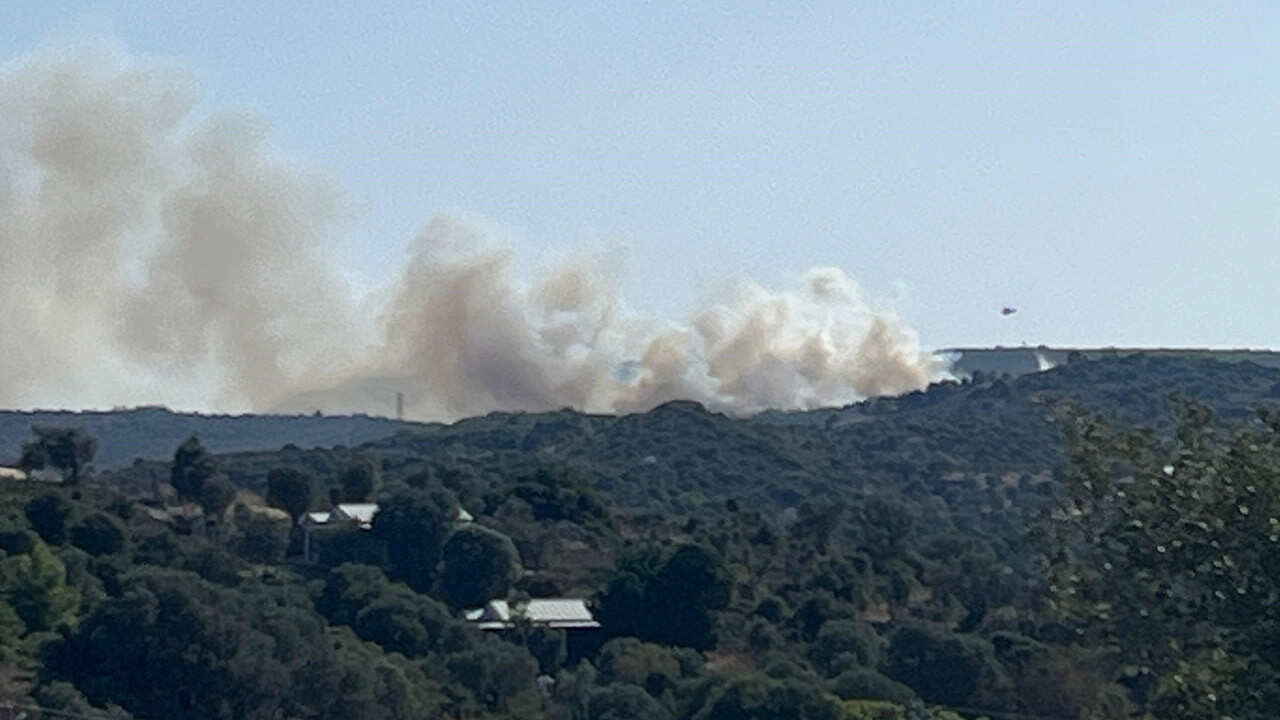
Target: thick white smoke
column 148, row 257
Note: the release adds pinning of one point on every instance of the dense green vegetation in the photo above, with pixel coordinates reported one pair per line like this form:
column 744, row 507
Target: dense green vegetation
column 1014, row 547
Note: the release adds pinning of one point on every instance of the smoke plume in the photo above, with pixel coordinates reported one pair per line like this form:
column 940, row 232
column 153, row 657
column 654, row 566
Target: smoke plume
column 151, row 256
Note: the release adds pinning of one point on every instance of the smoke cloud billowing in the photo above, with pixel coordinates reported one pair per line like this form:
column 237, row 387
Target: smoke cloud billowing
column 149, row 256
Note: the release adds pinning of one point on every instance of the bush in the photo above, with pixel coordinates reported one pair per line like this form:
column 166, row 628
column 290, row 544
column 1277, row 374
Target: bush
column 942, row 667
column 624, row 702
column 873, row 710
column 48, row 515
column 867, row 684
column 763, row 698
column 842, row 644
column 260, row 538
column 98, row 534
column 479, row 565
column 627, row 660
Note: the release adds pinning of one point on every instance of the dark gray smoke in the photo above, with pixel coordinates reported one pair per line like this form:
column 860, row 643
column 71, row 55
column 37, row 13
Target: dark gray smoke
column 153, row 257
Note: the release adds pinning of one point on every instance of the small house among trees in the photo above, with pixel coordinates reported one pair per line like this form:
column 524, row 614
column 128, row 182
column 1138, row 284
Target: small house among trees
column 554, row 613
column 568, row 618
column 344, row 516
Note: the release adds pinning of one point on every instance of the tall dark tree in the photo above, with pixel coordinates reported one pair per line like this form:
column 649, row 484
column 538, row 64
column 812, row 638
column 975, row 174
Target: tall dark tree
column 478, row 564
column 670, row 600
column 941, row 666
column 625, row 607
column 192, row 467
column 98, row 533
column 290, row 490
column 48, row 515
column 347, row 589
column 216, row 496
column 690, row 589
column 763, row 698
column 1167, row 550
column 358, row 482
column 415, row 524
column 68, row 450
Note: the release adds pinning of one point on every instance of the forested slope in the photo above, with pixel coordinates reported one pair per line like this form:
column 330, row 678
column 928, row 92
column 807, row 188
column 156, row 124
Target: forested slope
column 889, row 558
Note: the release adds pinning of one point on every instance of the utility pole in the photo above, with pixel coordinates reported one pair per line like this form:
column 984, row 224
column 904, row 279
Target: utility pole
column 399, row 406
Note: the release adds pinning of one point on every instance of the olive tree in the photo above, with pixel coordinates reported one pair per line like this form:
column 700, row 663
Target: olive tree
column 1168, row 551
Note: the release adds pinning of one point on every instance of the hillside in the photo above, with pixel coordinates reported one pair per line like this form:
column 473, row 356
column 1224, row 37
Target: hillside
column 981, row 447
column 1129, row 384
column 859, row 562
column 683, row 455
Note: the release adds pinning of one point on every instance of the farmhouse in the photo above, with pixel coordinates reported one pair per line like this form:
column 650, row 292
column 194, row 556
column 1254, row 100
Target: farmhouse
column 571, row 616
column 345, row 516
column 555, row 613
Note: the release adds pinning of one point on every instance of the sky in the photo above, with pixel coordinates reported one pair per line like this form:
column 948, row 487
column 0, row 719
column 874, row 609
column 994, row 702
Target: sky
column 1112, row 170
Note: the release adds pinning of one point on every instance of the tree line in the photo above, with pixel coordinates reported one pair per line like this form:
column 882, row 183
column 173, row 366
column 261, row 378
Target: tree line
column 1136, row 578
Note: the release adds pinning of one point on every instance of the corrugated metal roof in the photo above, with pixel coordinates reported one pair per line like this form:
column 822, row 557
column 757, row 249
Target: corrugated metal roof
column 360, row 512
column 549, row 612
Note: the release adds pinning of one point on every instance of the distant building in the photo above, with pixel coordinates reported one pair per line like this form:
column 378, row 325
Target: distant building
column 572, row 616
column 44, row 475
column 556, row 613
column 345, row 516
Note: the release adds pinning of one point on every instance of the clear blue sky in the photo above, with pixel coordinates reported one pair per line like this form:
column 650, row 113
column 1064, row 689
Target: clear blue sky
column 1111, row 169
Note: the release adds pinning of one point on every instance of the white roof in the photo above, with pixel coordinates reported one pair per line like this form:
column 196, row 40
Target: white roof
column 551, row 612
column 360, row 512
column 12, row 473
column 319, row 518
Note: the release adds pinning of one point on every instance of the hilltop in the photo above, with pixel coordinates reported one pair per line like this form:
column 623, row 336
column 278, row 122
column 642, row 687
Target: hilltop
column 152, row 433
column 1130, row 384
column 1026, row 359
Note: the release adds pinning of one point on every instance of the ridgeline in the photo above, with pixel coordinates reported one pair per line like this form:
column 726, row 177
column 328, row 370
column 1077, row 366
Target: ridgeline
column 894, row 556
